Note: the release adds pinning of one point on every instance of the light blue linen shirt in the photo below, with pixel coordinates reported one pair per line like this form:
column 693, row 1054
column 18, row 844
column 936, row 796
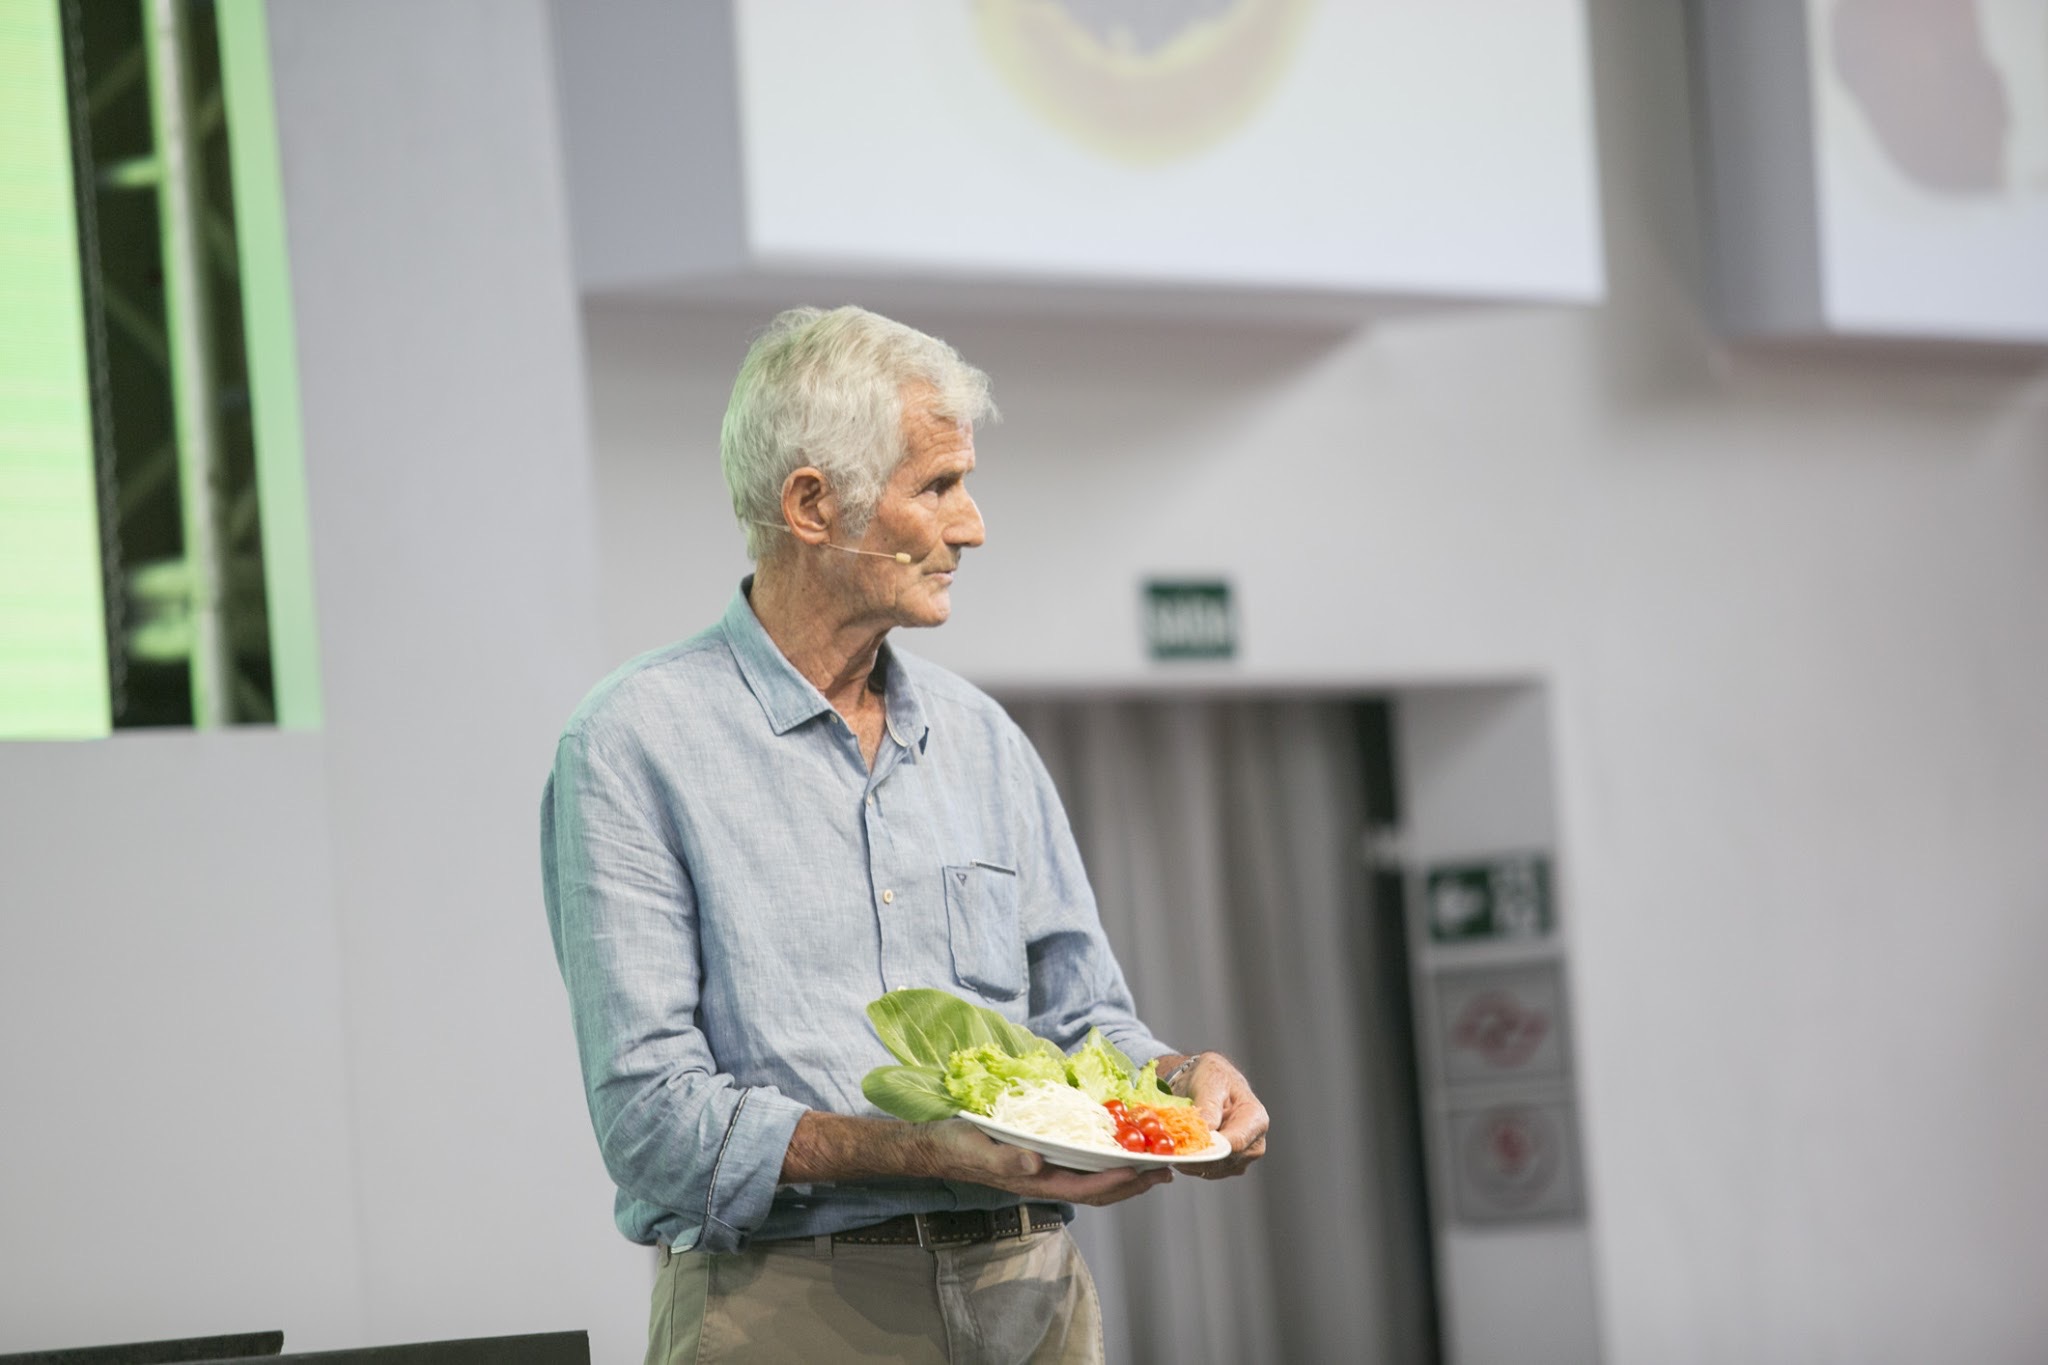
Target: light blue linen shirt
column 728, row 885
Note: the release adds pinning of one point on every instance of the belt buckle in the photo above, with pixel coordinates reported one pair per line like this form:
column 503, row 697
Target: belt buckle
column 924, row 1241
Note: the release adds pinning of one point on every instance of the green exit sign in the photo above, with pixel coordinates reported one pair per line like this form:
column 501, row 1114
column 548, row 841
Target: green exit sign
column 1496, row 898
column 1189, row 619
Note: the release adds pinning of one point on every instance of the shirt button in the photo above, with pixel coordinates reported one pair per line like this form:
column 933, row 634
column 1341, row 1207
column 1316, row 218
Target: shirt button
column 888, row 898
column 871, row 800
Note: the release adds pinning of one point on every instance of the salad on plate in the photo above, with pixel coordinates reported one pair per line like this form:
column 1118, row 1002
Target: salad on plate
column 959, row 1058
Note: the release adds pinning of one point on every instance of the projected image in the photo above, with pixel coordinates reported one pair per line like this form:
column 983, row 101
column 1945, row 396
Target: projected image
column 1142, row 80
column 1077, row 141
column 1955, row 92
column 1933, row 156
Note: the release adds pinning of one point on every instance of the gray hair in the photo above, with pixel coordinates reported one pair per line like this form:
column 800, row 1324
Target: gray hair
column 826, row 389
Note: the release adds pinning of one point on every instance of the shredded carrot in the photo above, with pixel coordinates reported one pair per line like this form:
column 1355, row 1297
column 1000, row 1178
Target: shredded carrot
column 1182, row 1123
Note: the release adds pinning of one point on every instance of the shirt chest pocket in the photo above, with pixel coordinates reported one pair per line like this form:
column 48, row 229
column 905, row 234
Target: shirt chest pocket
column 982, row 919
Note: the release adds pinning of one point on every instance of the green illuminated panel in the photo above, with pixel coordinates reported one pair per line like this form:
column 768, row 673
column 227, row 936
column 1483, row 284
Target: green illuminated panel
column 53, row 648
column 273, row 369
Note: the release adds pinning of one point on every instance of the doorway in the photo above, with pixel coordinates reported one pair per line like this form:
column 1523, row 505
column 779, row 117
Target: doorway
column 1233, row 844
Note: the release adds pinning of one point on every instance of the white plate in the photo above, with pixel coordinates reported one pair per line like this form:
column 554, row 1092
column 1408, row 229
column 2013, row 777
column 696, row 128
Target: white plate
column 1087, row 1158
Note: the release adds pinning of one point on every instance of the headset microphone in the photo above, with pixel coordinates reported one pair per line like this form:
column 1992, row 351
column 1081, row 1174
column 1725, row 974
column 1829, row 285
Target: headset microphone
column 900, row 557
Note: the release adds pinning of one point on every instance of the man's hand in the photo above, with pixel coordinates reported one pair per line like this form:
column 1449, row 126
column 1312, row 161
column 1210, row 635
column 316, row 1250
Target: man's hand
column 960, row 1151
column 1226, row 1103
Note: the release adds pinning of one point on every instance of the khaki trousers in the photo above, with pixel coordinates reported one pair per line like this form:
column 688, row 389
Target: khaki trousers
column 1009, row 1300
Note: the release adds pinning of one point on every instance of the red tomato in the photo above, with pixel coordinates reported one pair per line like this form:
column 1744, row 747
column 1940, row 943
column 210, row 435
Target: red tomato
column 1115, row 1107
column 1159, row 1146
column 1150, row 1126
column 1132, row 1141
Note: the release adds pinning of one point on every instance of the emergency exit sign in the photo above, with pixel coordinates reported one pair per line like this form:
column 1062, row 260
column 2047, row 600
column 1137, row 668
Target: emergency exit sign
column 1506, row 897
column 1189, row 619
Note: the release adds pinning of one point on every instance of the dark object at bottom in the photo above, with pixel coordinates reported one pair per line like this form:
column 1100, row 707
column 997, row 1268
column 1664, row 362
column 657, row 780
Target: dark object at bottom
column 541, row 1348
column 239, row 1346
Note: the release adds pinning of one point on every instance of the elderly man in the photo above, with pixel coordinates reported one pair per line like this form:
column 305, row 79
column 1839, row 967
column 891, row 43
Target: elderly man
column 750, row 835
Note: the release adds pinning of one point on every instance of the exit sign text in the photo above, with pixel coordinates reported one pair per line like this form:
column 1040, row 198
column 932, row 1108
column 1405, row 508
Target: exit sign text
column 1190, row 620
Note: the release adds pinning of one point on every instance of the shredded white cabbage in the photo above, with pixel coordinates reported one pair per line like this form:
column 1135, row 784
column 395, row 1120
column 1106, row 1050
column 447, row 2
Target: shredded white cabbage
column 1060, row 1113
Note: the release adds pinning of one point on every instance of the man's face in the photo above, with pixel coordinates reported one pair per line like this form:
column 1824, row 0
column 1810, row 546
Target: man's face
column 925, row 512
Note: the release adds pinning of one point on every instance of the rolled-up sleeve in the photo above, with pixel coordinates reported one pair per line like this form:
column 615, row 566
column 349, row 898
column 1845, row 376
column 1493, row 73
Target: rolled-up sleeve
column 1076, row 983
column 675, row 1131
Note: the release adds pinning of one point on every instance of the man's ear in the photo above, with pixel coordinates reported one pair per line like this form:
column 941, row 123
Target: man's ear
column 809, row 507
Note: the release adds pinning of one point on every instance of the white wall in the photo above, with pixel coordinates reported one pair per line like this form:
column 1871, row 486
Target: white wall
column 447, row 461
column 282, row 1036
column 1793, row 611
column 174, row 1140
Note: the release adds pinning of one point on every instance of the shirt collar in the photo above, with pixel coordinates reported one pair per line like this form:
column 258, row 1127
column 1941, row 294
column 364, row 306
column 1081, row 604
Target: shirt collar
column 787, row 697
column 907, row 725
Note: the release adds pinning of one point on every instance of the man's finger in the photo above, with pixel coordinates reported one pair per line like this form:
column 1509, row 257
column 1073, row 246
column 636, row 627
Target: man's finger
column 1247, row 1126
column 1146, row 1180
column 1136, row 1184
column 1235, row 1163
column 1211, row 1095
column 1086, row 1187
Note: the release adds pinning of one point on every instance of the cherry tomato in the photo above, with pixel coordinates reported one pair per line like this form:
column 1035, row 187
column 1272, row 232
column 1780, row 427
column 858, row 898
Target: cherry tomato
column 1115, row 1107
column 1151, row 1127
column 1159, row 1146
column 1132, row 1141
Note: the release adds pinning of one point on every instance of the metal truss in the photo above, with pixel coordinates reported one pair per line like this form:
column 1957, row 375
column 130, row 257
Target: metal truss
column 189, row 642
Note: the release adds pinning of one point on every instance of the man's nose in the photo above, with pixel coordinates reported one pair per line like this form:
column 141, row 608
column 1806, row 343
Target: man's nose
column 968, row 530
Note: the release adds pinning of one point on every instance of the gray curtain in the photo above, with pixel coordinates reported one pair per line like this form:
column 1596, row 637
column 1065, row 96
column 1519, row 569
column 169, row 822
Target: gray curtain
column 1225, row 839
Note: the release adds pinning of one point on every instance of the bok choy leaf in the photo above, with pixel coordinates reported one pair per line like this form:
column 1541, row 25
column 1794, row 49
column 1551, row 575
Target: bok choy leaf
column 916, row 1093
column 926, row 1027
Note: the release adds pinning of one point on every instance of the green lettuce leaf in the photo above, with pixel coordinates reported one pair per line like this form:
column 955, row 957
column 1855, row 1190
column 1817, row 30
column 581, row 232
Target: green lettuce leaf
column 926, row 1027
column 1101, row 1068
column 916, row 1093
column 976, row 1076
column 1153, row 1091
column 958, row 1055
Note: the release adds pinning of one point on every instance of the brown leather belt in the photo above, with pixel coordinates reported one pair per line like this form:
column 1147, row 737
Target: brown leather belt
column 964, row 1228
